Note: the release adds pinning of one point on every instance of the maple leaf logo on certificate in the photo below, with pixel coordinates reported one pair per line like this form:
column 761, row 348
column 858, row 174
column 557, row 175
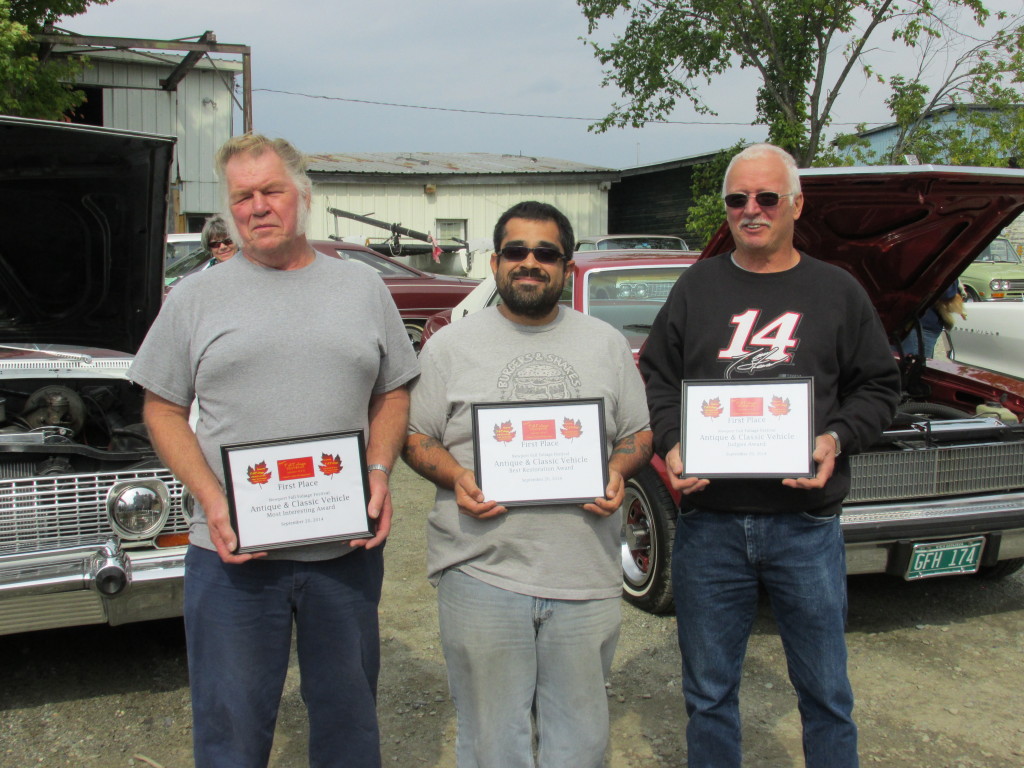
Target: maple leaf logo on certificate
column 504, row 433
column 571, row 429
column 712, row 409
column 779, row 406
column 330, row 465
column 259, row 474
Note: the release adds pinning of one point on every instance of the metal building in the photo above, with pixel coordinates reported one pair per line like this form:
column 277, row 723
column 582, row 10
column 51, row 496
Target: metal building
column 452, row 196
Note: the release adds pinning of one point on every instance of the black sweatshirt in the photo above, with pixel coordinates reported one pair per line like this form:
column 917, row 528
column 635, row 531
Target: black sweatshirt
column 723, row 322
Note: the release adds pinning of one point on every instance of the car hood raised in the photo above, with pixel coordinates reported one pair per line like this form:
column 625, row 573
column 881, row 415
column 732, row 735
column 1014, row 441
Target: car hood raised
column 82, row 219
column 904, row 232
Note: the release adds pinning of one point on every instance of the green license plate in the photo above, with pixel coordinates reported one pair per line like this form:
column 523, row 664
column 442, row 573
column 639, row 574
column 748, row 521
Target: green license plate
column 944, row 558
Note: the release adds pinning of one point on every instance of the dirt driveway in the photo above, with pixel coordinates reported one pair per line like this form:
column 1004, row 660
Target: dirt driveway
column 937, row 667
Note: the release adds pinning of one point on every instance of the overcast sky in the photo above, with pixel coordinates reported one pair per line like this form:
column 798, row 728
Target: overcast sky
column 523, row 57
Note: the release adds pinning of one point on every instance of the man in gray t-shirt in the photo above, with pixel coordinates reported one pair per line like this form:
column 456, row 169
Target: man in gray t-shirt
column 279, row 342
column 528, row 596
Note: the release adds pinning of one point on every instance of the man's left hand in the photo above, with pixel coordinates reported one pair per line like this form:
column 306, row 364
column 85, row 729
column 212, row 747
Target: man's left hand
column 613, row 496
column 379, row 510
column 825, row 457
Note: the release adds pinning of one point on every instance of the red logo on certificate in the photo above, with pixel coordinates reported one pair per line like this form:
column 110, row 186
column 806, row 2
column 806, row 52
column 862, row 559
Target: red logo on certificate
column 258, row 474
column 295, row 469
column 712, row 408
column 539, row 429
column 504, row 433
column 779, row 406
column 571, row 429
column 330, row 465
column 746, row 406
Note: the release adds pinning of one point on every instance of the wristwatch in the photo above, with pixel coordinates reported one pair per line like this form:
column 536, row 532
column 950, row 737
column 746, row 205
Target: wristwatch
column 387, row 471
column 834, row 436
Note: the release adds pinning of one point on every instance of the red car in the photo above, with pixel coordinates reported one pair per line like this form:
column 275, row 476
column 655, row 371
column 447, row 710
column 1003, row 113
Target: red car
column 417, row 294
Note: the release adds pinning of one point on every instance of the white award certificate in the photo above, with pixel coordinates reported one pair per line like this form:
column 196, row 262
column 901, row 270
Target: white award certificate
column 299, row 490
column 540, row 452
column 747, row 429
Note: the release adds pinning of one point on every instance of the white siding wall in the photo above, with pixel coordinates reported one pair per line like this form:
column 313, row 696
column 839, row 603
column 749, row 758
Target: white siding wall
column 200, row 127
column 480, row 205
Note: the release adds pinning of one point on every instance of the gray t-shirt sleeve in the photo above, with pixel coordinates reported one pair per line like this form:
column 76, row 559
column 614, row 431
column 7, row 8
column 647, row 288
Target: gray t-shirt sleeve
column 428, row 398
column 163, row 365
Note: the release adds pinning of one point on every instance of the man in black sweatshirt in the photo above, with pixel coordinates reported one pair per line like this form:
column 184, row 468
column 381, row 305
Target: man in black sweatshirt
column 767, row 311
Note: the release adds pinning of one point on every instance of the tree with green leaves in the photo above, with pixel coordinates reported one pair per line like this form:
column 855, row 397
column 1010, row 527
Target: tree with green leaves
column 974, row 117
column 803, row 52
column 31, row 86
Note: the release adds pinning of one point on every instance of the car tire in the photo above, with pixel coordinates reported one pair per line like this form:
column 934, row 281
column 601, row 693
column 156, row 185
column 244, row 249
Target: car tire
column 1002, row 569
column 415, row 331
column 970, row 294
column 648, row 530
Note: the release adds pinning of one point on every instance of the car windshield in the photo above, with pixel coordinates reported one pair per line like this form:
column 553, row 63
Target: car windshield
column 641, row 243
column 187, row 263
column 178, row 250
column 999, row 252
column 629, row 298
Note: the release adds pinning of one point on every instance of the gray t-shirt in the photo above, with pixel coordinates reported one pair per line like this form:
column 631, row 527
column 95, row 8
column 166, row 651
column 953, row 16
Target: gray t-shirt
column 270, row 354
column 559, row 551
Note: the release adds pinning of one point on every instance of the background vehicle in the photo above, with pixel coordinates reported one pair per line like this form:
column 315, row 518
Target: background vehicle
column 630, row 243
column 179, row 247
column 942, row 492
column 991, row 336
column 996, row 273
column 92, row 526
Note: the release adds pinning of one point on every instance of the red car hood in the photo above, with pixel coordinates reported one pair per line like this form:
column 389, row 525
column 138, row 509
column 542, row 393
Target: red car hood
column 904, row 232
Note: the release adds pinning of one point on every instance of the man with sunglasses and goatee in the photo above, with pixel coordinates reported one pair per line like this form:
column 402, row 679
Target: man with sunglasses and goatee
column 767, row 311
column 528, row 596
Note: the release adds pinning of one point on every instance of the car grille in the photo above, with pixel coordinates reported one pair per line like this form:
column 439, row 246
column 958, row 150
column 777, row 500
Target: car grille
column 39, row 513
column 1016, row 285
column 939, row 471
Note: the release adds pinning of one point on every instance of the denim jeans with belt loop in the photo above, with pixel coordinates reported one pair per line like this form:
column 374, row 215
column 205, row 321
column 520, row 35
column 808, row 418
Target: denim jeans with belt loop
column 238, row 628
column 718, row 561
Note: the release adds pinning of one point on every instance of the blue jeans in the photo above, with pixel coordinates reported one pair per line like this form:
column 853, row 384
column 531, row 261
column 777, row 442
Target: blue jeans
column 718, row 561
column 238, row 629
column 509, row 654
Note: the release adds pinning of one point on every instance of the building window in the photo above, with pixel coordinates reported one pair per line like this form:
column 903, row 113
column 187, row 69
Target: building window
column 450, row 230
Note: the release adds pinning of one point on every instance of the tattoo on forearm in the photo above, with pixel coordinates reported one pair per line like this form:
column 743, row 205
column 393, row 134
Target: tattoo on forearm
column 626, row 446
column 415, row 454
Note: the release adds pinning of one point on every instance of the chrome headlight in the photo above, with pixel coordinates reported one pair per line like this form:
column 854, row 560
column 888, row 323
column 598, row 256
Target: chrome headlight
column 138, row 509
column 999, row 285
column 641, row 291
column 625, row 290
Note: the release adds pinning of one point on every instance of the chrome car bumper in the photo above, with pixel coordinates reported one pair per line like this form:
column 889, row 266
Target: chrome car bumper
column 89, row 585
column 877, row 534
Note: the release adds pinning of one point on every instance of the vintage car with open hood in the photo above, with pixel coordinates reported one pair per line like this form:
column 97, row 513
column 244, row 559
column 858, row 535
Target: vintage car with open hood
column 92, row 525
column 942, row 491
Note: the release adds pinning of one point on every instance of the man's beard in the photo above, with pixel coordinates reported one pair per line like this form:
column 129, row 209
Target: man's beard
column 533, row 301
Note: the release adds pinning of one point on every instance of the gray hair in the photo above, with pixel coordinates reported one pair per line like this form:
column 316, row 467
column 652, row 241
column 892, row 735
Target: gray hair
column 755, row 151
column 214, row 228
column 255, row 144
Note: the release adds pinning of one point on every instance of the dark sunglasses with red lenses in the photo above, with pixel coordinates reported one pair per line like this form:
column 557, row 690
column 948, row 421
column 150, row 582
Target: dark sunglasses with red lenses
column 215, row 244
column 763, row 199
column 542, row 254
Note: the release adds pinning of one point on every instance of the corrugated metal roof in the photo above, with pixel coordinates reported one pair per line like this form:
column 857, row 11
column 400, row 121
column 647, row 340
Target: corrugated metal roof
column 443, row 163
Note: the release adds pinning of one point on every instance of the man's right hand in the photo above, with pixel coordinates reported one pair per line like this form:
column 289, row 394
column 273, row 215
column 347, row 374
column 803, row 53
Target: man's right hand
column 218, row 521
column 686, row 485
column 470, row 498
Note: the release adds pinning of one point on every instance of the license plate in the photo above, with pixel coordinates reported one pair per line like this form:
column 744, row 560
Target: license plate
column 944, row 558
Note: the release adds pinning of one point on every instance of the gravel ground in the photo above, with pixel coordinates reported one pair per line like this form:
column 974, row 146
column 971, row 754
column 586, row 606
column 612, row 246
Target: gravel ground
column 937, row 667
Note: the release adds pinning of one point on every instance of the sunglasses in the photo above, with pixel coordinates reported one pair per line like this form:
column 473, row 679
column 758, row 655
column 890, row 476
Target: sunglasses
column 763, row 199
column 215, row 244
column 542, row 254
